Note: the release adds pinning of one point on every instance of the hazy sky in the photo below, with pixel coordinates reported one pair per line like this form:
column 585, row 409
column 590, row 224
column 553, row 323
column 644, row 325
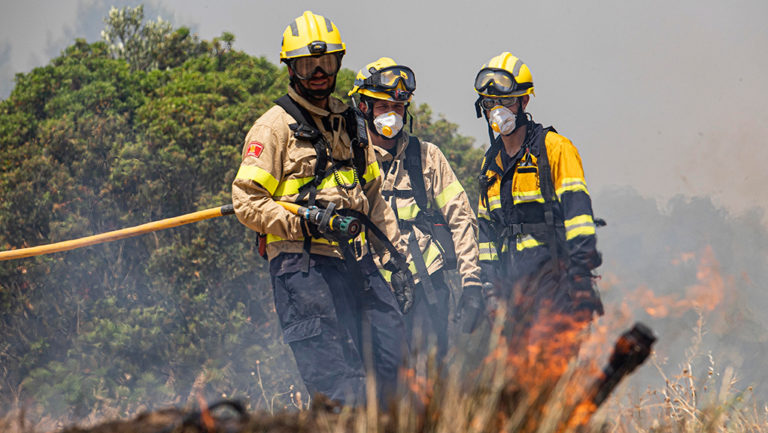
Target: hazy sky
column 667, row 97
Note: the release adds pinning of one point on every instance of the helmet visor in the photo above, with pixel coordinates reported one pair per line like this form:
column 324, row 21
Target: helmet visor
column 305, row 67
column 389, row 78
column 493, row 81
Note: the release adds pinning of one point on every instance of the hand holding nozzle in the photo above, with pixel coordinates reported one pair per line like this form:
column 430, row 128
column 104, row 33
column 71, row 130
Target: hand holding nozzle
column 325, row 219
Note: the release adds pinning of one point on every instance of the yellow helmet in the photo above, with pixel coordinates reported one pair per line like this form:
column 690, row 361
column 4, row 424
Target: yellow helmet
column 311, row 35
column 385, row 79
column 504, row 76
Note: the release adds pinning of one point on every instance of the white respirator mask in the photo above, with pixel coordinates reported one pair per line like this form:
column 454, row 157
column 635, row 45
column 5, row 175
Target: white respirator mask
column 502, row 120
column 388, row 124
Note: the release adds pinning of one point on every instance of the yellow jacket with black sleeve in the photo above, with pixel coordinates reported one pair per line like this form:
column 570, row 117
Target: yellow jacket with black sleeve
column 515, row 235
column 444, row 194
column 275, row 164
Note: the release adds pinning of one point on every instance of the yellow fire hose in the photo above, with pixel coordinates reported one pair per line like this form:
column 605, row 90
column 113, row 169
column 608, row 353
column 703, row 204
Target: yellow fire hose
column 347, row 225
column 118, row 234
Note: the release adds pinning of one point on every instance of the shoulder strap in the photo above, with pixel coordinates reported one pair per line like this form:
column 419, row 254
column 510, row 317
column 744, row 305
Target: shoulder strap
column 306, row 129
column 484, row 181
column 550, row 201
column 358, row 135
column 416, row 172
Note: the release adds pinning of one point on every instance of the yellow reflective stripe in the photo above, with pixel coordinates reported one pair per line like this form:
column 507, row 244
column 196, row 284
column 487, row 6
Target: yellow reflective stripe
column 258, row 175
column 372, row 172
column 572, row 184
column 429, row 256
column 448, row 193
column 386, row 274
column 528, row 196
column 487, row 251
column 482, row 212
column 527, row 241
column 408, row 212
column 494, row 202
column 582, row 225
column 432, row 253
column 274, row 238
column 291, row 186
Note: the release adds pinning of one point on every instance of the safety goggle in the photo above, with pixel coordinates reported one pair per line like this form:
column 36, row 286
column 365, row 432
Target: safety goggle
column 389, row 78
column 489, row 103
column 305, row 67
column 499, row 81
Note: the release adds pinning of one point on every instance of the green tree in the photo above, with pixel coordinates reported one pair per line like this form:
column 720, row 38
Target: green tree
column 145, row 125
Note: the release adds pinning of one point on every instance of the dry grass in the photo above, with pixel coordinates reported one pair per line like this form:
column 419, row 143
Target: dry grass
column 491, row 400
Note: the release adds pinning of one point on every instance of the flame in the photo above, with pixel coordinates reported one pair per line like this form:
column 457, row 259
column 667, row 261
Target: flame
column 205, row 414
column 705, row 295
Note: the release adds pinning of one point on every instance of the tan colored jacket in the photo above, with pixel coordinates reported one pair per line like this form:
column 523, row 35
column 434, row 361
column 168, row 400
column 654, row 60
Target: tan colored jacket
column 275, row 164
column 444, row 192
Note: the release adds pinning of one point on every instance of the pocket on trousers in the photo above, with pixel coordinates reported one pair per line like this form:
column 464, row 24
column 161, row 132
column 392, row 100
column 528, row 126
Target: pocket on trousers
column 302, row 330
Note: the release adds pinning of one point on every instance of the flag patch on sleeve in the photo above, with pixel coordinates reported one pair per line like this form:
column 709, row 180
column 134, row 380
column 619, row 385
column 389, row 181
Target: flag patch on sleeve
column 254, row 149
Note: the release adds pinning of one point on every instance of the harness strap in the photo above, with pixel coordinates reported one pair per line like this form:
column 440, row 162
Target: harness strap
column 421, row 269
column 415, row 172
column 484, row 181
column 550, row 201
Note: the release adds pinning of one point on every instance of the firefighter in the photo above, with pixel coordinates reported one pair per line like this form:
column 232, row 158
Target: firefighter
column 433, row 210
column 537, row 232
column 328, row 292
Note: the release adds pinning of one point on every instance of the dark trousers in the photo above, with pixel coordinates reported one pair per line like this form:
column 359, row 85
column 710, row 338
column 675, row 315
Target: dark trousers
column 330, row 321
column 427, row 323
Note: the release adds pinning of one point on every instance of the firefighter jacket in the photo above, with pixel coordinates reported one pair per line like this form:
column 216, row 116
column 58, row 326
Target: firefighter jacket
column 444, row 193
column 275, row 164
column 511, row 203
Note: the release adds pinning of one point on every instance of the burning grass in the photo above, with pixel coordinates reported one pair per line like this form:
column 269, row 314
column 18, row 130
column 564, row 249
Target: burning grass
column 490, row 399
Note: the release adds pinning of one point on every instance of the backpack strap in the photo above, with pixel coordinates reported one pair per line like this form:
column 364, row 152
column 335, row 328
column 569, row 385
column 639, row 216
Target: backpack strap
column 416, row 172
column 358, row 135
column 554, row 230
column 305, row 129
column 485, row 182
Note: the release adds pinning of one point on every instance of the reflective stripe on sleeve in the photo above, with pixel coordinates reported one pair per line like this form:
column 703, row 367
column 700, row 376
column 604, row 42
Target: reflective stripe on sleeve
column 487, row 251
column 572, row 184
column 448, row 193
column 258, row 175
column 582, row 225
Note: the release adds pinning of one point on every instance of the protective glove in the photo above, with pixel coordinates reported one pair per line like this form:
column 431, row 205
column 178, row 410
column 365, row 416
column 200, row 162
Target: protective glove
column 584, row 296
column 492, row 300
column 312, row 229
column 402, row 285
column 471, row 308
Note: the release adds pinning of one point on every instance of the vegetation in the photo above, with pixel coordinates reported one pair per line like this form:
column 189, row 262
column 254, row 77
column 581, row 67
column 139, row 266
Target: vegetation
column 149, row 124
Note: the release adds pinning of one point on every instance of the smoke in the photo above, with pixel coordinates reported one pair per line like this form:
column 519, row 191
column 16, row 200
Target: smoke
column 6, row 72
column 693, row 272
